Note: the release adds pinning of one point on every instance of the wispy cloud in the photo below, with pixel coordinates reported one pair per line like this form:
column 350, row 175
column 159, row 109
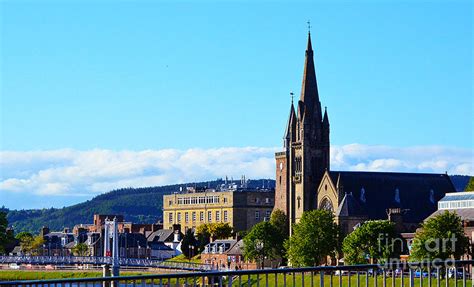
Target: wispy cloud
column 69, row 172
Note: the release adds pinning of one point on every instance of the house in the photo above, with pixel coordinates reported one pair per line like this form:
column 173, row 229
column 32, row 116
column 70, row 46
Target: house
column 170, row 238
column 229, row 255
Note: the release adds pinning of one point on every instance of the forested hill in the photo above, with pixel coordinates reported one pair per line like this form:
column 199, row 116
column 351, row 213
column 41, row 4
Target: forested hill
column 139, row 205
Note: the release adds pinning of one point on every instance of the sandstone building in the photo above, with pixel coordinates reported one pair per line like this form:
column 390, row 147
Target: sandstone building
column 240, row 207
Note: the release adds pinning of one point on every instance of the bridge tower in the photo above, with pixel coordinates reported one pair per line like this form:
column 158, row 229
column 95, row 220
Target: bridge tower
column 111, row 233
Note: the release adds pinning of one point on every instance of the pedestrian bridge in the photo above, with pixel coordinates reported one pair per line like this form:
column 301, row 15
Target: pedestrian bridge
column 92, row 260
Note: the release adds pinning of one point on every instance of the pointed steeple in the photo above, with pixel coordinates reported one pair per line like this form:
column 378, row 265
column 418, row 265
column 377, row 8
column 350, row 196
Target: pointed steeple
column 291, row 121
column 309, row 87
column 325, row 118
column 290, row 126
column 309, row 47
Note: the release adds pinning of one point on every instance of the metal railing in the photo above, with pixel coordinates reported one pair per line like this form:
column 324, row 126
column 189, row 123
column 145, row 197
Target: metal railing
column 92, row 260
column 425, row 274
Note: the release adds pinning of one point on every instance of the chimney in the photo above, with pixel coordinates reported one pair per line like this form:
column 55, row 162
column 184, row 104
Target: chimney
column 10, row 232
column 44, row 230
column 237, row 236
column 395, row 215
column 177, row 236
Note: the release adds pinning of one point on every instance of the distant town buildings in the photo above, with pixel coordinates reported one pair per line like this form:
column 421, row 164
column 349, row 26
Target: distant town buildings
column 134, row 240
column 237, row 205
column 304, row 180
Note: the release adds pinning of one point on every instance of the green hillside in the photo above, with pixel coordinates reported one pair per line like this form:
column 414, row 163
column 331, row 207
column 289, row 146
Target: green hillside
column 139, row 205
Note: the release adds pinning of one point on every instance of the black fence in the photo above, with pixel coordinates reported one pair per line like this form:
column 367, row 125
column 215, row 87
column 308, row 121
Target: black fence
column 423, row 274
column 95, row 260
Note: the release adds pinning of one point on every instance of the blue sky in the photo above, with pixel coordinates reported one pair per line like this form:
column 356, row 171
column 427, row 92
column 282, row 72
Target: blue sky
column 145, row 75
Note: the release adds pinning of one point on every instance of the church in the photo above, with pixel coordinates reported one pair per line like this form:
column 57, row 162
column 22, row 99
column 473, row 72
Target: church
column 304, row 180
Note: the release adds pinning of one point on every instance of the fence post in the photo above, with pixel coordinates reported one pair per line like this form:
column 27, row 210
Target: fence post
column 106, row 273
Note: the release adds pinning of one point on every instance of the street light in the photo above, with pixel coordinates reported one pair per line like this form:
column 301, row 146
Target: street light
column 259, row 246
column 191, row 252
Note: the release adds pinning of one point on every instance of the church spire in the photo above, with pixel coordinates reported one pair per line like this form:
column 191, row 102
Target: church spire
column 291, row 125
column 325, row 118
column 309, row 87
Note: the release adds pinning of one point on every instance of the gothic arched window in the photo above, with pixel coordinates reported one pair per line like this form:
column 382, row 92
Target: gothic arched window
column 326, row 204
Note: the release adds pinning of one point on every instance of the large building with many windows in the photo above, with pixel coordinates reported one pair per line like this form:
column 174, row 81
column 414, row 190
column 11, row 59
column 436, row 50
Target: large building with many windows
column 240, row 207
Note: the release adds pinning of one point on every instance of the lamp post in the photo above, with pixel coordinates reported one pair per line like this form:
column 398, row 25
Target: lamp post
column 191, row 252
column 259, row 246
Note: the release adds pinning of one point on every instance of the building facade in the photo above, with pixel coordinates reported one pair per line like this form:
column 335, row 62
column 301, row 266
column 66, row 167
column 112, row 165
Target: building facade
column 241, row 208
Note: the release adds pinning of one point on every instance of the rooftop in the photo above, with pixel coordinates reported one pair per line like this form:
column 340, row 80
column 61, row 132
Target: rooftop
column 468, row 195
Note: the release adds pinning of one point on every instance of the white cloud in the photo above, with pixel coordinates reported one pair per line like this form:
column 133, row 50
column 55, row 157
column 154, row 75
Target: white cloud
column 69, row 172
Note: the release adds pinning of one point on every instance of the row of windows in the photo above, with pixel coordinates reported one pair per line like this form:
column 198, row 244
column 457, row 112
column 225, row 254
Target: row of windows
column 201, row 216
column 209, row 216
column 210, row 199
column 198, row 200
column 455, row 204
column 267, row 200
column 267, row 215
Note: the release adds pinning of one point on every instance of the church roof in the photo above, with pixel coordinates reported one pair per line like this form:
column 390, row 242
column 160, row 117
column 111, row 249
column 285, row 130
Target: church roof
column 349, row 206
column 375, row 192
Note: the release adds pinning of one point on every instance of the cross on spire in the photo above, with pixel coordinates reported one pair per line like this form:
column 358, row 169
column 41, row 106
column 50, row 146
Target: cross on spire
column 292, row 96
column 309, row 26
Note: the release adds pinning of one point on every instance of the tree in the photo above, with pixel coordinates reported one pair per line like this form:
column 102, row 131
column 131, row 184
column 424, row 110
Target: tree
column 37, row 245
column 470, row 184
column 220, row 230
column 376, row 240
column 189, row 244
column 440, row 237
column 81, row 249
column 215, row 230
column 263, row 241
column 26, row 241
column 314, row 238
column 203, row 237
column 279, row 220
column 5, row 236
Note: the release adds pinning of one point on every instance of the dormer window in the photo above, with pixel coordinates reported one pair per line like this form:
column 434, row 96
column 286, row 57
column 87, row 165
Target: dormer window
column 362, row 195
column 397, row 195
column 432, row 198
